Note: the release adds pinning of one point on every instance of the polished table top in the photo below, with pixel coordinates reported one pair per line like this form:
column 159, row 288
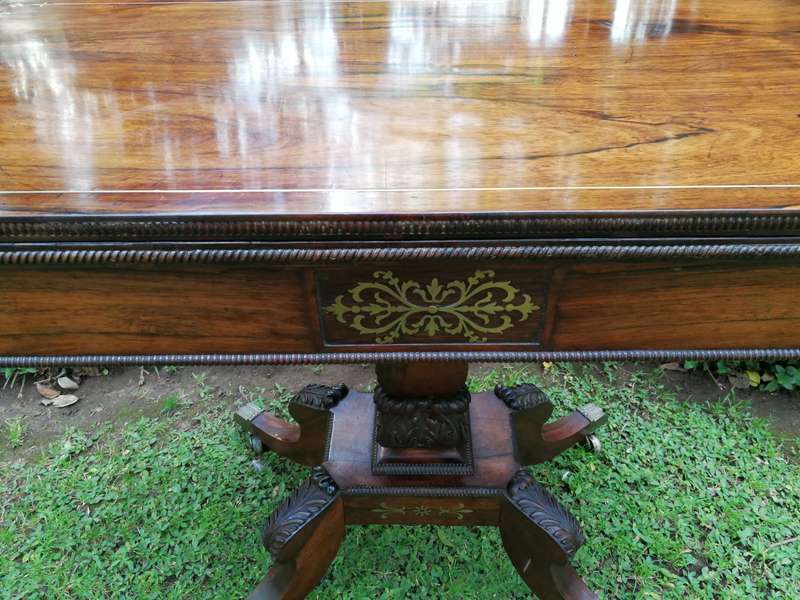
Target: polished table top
column 286, row 107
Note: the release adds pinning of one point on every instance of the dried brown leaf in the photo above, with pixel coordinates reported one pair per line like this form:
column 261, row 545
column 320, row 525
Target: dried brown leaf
column 67, row 384
column 46, row 390
column 673, row 366
column 65, row 400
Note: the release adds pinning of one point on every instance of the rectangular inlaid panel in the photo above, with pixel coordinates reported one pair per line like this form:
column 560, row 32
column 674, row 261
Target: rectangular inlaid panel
column 436, row 304
column 421, row 510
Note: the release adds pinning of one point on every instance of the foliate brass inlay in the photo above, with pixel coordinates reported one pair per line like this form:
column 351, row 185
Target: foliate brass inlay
column 421, row 510
column 389, row 308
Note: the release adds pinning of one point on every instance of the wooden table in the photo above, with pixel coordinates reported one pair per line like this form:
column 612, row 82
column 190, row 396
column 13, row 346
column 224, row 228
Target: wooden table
column 416, row 184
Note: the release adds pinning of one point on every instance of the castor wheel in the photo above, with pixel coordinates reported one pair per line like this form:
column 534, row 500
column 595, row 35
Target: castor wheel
column 592, row 443
column 244, row 417
column 256, row 445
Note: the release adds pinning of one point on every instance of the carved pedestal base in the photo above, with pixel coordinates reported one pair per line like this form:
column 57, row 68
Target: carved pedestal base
column 336, row 430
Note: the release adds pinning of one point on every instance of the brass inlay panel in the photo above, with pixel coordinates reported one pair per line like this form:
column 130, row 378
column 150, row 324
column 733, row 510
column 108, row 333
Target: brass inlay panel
column 421, row 510
column 388, row 307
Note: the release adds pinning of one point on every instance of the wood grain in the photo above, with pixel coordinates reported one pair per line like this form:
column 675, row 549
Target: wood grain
column 683, row 305
column 349, row 459
column 373, row 107
column 162, row 309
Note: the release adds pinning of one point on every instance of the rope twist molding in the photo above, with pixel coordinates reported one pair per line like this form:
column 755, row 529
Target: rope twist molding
column 371, row 255
column 386, row 357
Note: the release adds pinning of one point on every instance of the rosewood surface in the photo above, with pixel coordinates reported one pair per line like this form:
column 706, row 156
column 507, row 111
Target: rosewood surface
column 331, row 107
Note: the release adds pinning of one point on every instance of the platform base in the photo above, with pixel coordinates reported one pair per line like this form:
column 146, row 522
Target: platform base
column 336, row 430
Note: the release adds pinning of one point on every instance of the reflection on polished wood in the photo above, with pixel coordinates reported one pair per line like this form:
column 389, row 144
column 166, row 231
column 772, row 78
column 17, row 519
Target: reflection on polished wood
column 293, row 181
column 361, row 102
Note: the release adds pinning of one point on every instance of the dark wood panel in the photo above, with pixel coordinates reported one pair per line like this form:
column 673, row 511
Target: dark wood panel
column 689, row 305
column 163, row 309
column 421, row 510
column 499, row 105
column 452, row 204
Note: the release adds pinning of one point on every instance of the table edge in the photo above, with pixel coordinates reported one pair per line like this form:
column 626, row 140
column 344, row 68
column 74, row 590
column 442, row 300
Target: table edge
column 381, row 226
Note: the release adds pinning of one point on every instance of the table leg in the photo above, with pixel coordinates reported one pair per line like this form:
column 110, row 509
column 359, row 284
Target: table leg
column 303, row 536
column 540, row 536
column 537, row 440
column 303, row 443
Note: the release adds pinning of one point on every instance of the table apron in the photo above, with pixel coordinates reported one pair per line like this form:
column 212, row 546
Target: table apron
column 533, row 306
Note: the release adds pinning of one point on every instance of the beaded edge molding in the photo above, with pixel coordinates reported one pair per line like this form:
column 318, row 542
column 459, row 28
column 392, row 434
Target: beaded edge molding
column 131, row 228
column 405, row 253
column 425, row 492
column 387, row 357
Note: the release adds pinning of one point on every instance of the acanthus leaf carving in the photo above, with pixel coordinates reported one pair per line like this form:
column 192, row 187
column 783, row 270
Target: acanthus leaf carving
column 541, row 507
column 421, row 422
column 521, row 397
column 298, row 510
column 320, row 396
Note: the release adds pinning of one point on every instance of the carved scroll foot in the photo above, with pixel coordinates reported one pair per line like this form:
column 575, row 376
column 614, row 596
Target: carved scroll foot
column 303, row 443
column 303, row 536
column 540, row 536
column 538, row 441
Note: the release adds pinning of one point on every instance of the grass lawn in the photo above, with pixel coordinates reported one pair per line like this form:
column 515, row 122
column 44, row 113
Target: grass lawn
column 688, row 500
